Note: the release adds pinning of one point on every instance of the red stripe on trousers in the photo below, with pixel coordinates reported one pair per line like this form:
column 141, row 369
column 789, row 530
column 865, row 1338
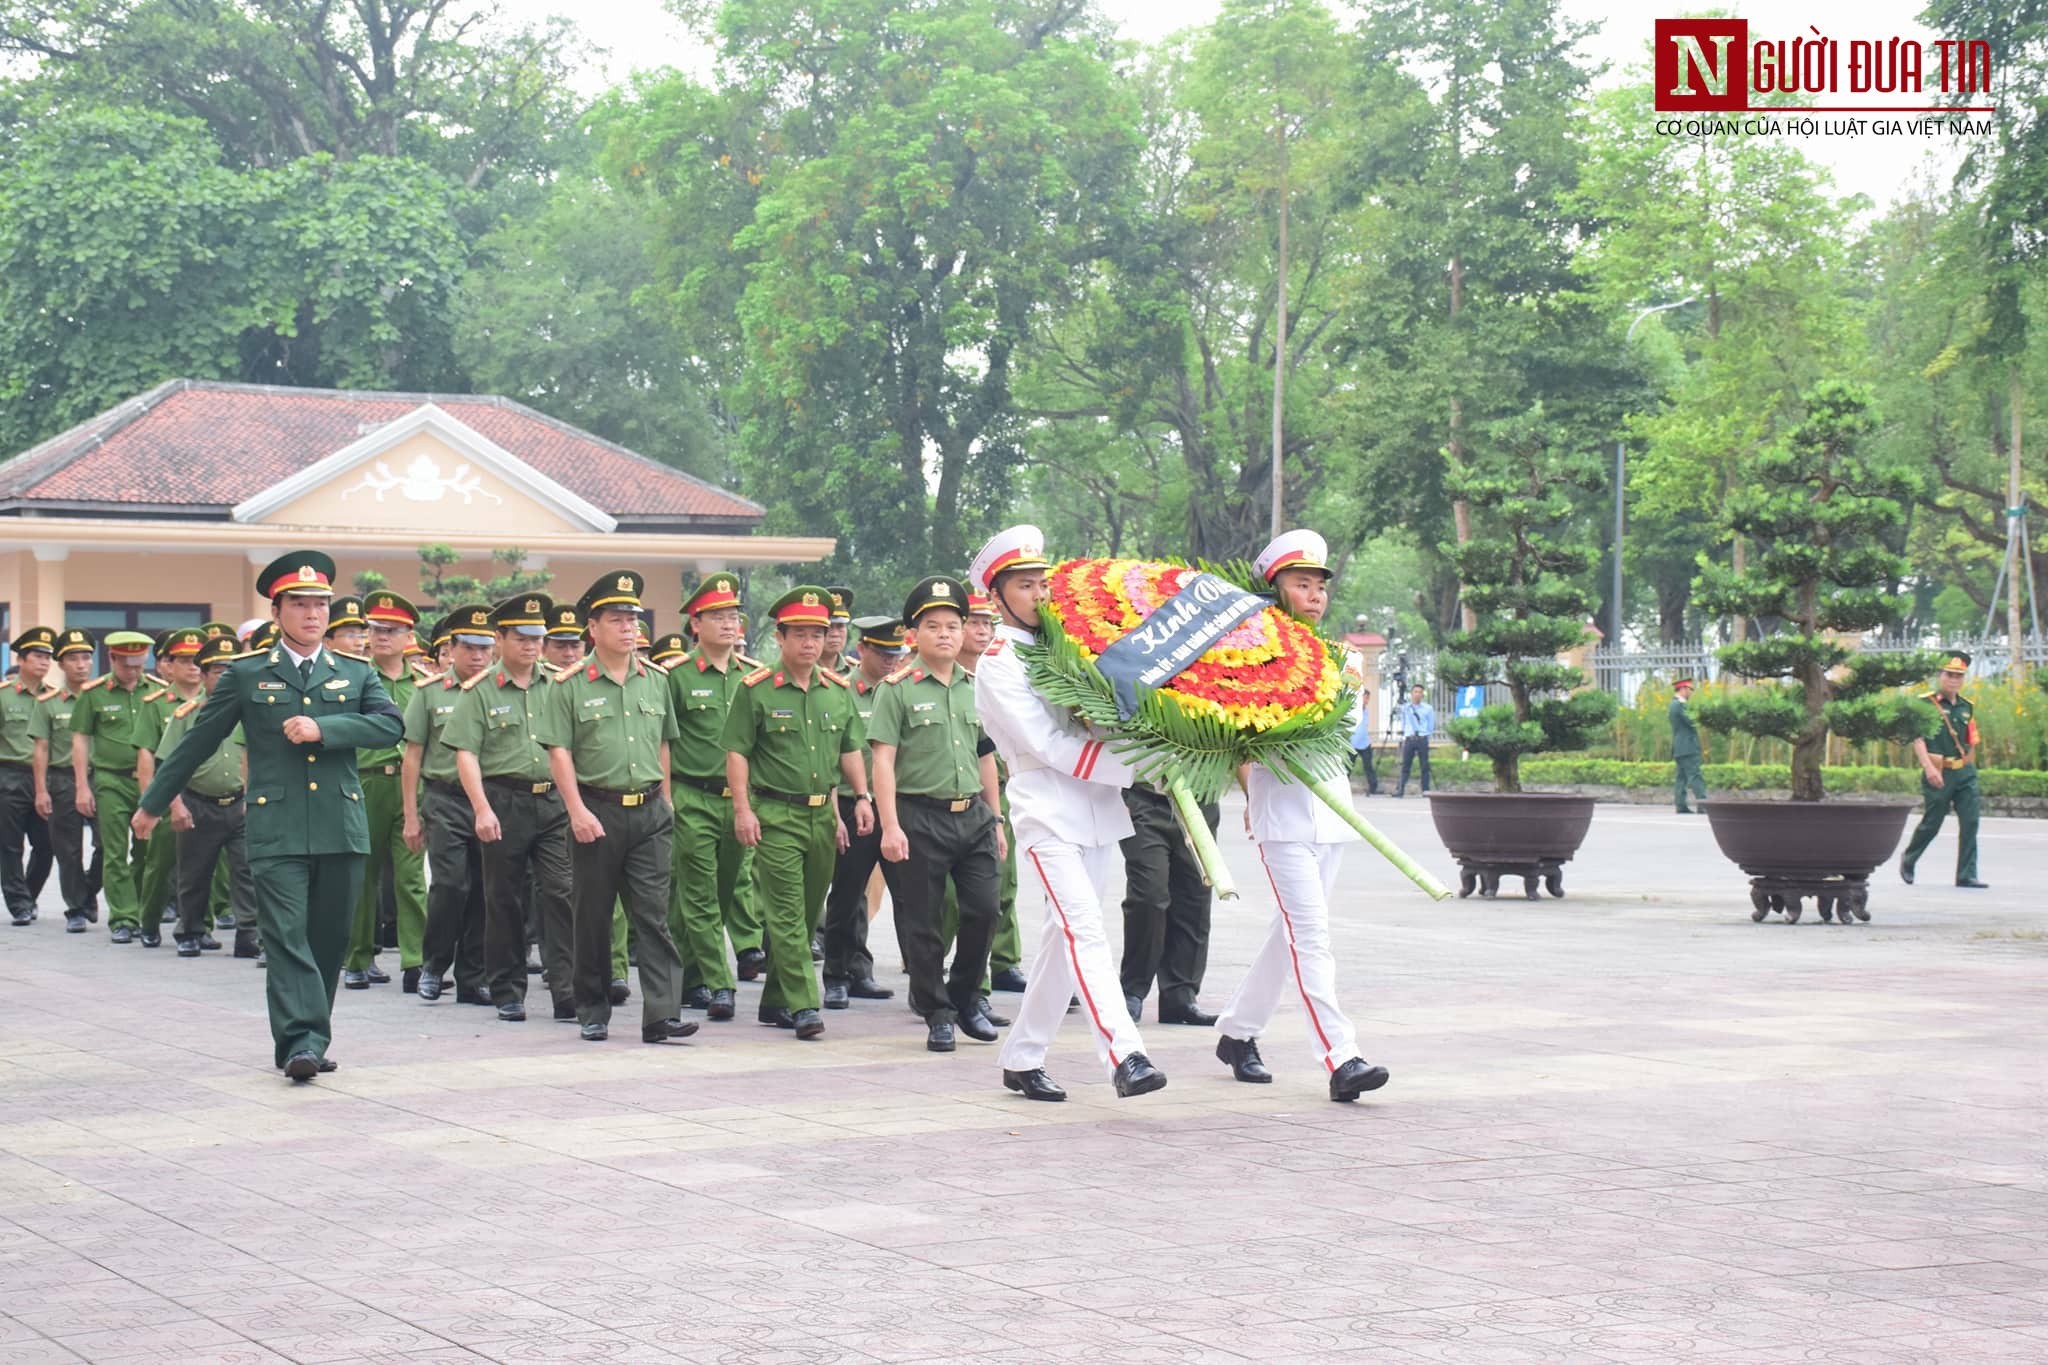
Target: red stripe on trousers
column 1074, row 956
column 1288, row 922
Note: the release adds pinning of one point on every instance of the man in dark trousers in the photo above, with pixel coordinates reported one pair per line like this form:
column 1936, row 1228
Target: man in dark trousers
column 304, row 710
column 1685, row 748
column 1166, row 909
column 1418, row 723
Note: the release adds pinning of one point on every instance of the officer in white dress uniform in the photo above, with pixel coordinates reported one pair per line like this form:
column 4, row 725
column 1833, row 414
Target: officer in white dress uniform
column 1067, row 807
column 1301, row 842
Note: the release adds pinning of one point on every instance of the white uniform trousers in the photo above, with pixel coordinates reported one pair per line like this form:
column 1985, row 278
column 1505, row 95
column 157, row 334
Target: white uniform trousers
column 1073, row 959
column 1296, row 952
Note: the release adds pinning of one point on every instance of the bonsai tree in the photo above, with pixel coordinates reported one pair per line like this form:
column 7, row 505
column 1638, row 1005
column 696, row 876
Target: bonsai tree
column 1523, row 578
column 1822, row 519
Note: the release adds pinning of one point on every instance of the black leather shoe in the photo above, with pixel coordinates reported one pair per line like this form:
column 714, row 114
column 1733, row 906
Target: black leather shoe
column 409, row 981
column 1000, row 1021
column 565, row 1014
column 302, row 1066
column 978, row 1027
column 209, row 944
column 246, row 943
column 1906, row 873
column 1135, row 1075
column 620, row 991
column 121, row 933
column 428, row 984
column 595, row 1033
column 376, row 975
column 667, row 1029
column 354, row 981
column 750, row 963
column 475, row 995
column 1973, row 884
column 74, row 924
column 1008, row 979
column 1186, row 1014
column 1241, row 1055
column 1033, row 1085
column 1354, row 1078
column 938, row 1036
column 327, row 1065
column 514, row 1013
column 23, row 918
column 809, row 1024
column 867, row 988
column 188, row 947
column 835, row 995
column 1134, row 1005
column 152, row 939
column 697, row 998
column 775, row 1015
column 720, row 1007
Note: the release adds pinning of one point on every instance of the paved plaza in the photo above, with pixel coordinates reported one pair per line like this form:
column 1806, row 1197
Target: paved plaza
column 1626, row 1126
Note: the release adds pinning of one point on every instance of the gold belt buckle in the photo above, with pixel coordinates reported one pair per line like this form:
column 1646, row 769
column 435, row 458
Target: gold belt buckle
column 543, row 788
column 962, row 804
column 725, row 791
column 816, row 800
column 634, row 799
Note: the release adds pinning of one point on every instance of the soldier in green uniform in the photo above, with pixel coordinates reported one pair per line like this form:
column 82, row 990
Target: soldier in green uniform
column 708, row 863
column 19, row 702
column 439, row 820
column 1685, row 748
column 303, row 710
column 1006, row 951
column 792, row 736
column 941, row 814
column 109, row 726
column 838, row 630
column 348, row 630
column 56, row 787
column 1948, row 775
column 208, row 820
column 391, row 619
column 667, row 650
column 520, row 821
column 562, row 647
column 849, row 966
column 177, row 662
column 608, row 728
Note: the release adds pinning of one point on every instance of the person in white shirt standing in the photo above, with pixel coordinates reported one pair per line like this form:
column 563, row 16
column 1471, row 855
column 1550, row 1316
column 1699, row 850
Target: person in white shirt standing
column 1301, row 842
column 1067, row 807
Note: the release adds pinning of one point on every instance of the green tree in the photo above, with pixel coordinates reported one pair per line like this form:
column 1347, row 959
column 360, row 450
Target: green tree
column 1826, row 519
column 1523, row 571
column 445, row 589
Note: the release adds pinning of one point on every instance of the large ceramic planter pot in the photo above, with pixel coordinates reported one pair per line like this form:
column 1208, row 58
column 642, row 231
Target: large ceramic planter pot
column 1530, row 835
column 1795, row 849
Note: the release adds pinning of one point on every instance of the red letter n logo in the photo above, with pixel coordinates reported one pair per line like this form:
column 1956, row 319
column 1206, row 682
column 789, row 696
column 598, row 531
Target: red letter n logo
column 1702, row 64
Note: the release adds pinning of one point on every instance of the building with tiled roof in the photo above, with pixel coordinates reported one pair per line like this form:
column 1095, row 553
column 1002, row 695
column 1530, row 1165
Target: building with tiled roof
column 155, row 510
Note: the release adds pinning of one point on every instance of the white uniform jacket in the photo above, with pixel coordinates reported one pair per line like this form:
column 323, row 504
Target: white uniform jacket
column 1064, row 781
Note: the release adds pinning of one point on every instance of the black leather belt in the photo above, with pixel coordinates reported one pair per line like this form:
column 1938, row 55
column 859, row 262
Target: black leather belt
column 21, row 763
column 446, row 788
column 234, row 800
column 612, row 798
column 791, row 798
column 380, row 769
column 520, row 784
column 953, row 804
column 715, row 785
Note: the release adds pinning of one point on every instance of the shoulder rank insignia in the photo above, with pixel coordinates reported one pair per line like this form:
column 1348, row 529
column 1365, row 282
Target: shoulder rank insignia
column 747, row 661
column 189, row 707
column 157, row 695
column 900, row 674
column 153, row 678
column 94, row 683
column 567, row 671
column 995, row 647
column 49, row 692
column 465, row 686
column 359, row 658
column 756, row 676
column 838, row 679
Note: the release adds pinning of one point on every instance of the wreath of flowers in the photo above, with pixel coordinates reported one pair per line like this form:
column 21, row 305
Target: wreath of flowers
column 1270, row 691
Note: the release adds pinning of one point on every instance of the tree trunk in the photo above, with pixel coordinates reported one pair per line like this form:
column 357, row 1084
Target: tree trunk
column 2019, row 570
column 1461, row 511
column 1278, row 519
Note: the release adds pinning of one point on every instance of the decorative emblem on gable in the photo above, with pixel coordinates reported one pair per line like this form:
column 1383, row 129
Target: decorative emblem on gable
column 422, row 481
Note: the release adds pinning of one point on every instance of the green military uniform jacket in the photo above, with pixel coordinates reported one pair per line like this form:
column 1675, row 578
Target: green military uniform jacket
column 302, row 798
column 701, row 696
column 117, row 721
column 1955, row 733
column 496, row 719
column 613, row 731
column 792, row 737
column 219, row 775
column 52, row 724
column 18, row 707
column 1685, row 736
column 400, row 690
column 426, row 717
column 935, row 730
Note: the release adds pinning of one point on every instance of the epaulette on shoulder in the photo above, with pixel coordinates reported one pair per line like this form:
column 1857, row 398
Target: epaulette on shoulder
column 249, row 654
column 189, row 707
column 657, row 666
column 901, row 673
column 151, row 677
column 995, row 647
column 836, row 678
column 747, row 661
column 465, row 686
column 94, row 683
column 51, row 691
column 157, row 695
column 568, row 671
column 756, row 676
column 1930, row 696
column 348, row 654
